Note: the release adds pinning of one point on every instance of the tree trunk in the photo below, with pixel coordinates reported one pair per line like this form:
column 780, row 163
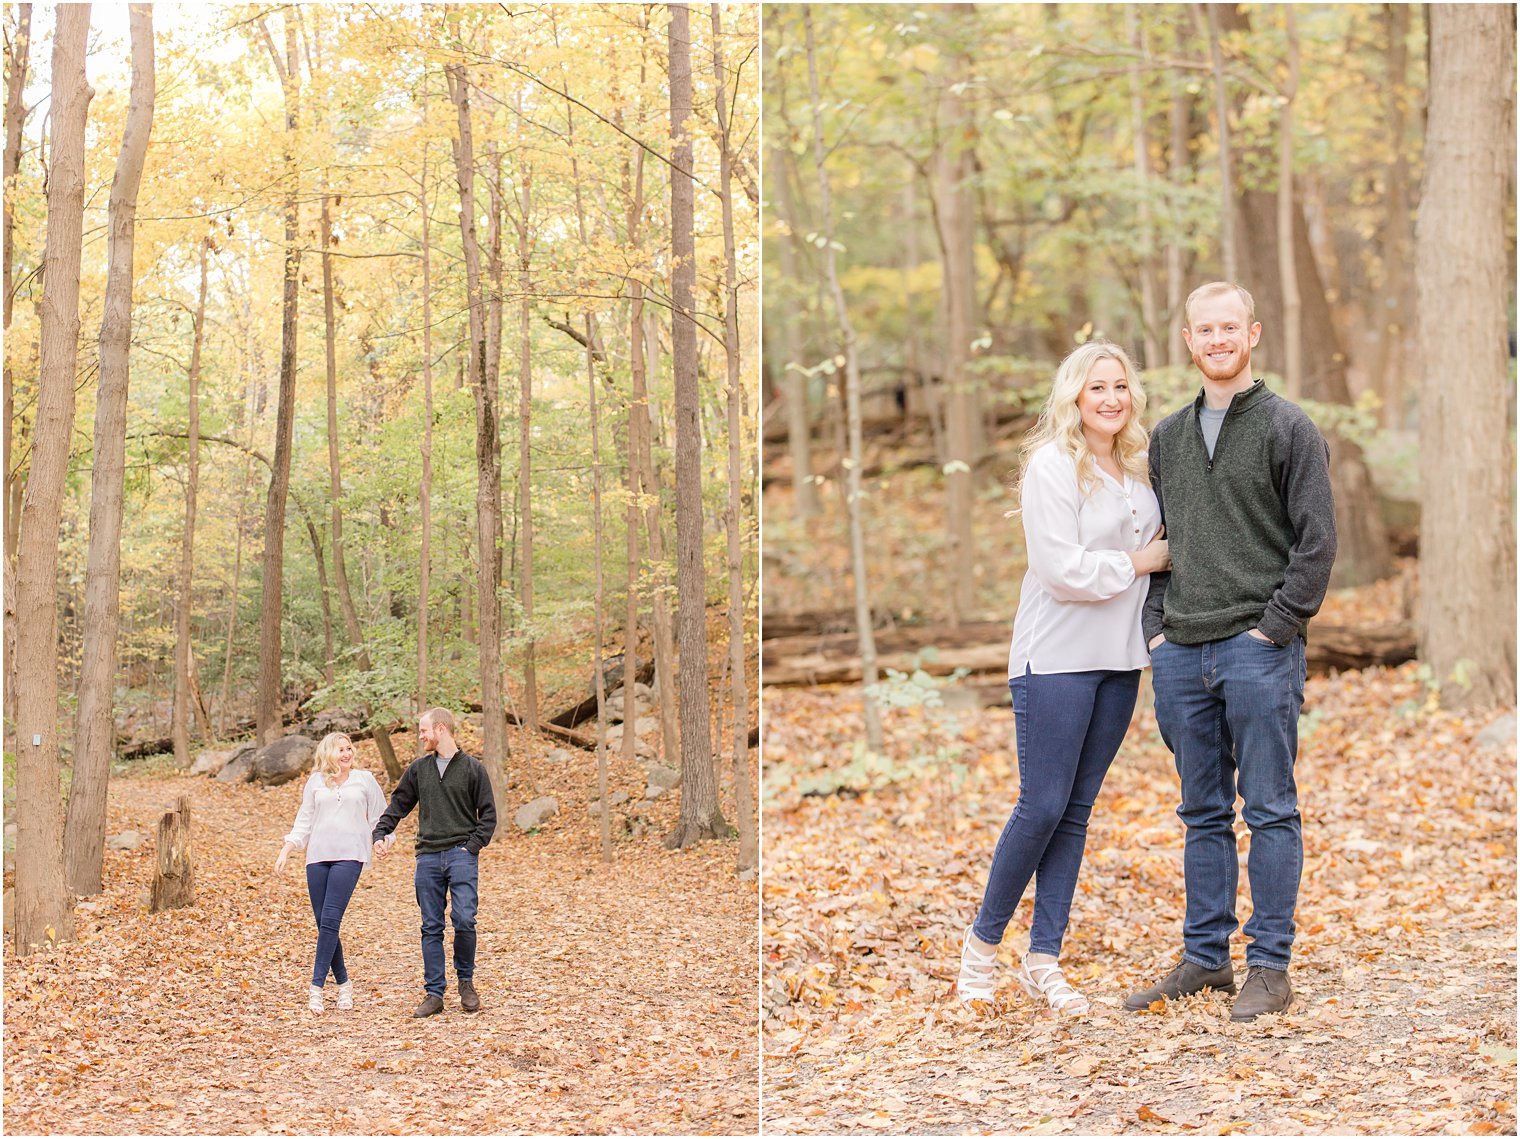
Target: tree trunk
column 654, row 519
column 699, row 818
column 1467, row 539
column 863, row 626
column 43, row 906
column 174, row 870
column 634, row 187
column 957, row 240
column 1392, row 323
column 1150, row 317
column 179, row 730
column 525, row 452
column 1177, row 165
column 18, row 60
column 744, row 795
column 601, row 680
column 94, row 734
column 1287, row 268
column 267, row 696
column 425, row 491
column 794, row 383
column 487, row 457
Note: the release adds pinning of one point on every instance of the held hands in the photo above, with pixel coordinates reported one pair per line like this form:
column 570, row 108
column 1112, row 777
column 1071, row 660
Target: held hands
column 383, row 846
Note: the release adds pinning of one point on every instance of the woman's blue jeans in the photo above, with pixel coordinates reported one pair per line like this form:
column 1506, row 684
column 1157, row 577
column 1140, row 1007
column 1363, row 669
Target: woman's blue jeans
column 331, row 885
column 1069, row 727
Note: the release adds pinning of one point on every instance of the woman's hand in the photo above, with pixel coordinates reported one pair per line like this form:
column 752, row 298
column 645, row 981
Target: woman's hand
column 1155, row 557
column 279, row 862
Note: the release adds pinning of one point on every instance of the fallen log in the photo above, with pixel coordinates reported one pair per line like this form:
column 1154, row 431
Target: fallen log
column 586, row 709
column 833, row 659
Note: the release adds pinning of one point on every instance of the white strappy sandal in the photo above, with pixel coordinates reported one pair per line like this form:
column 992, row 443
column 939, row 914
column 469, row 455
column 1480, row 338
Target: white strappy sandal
column 314, row 1000
column 977, row 980
column 1049, row 982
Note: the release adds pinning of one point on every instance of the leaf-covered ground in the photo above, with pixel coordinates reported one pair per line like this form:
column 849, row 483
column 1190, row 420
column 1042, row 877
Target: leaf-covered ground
column 1404, row 966
column 615, row 998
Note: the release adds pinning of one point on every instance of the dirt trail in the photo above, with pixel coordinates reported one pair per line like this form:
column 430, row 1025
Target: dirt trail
column 615, row 999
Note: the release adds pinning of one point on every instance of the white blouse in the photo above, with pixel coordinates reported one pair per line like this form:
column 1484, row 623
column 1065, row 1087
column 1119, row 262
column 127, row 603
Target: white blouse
column 335, row 822
column 1079, row 607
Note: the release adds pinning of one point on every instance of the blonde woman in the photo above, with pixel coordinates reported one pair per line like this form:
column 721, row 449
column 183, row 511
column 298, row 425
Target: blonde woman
column 1092, row 530
column 339, row 807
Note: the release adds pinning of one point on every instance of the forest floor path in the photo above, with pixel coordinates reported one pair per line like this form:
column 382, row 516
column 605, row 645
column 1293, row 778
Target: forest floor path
column 615, row 998
column 1404, row 967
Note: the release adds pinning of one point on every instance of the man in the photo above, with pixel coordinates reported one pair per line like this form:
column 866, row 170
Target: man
column 456, row 818
column 1243, row 477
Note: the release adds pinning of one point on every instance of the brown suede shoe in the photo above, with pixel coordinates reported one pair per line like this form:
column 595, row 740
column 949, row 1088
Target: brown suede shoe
column 1265, row 991
column 469, row 1000
column 1183, row 981
column 430, row 1006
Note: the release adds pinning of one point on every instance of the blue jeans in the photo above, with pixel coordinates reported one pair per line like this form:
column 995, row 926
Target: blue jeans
column 1069, row 727
column 331, row 885
column 1229, row 711
column 454, row 876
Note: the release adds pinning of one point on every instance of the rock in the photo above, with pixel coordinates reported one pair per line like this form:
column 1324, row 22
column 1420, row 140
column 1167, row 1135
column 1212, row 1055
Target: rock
column 618, row 798
column 595, row 809
column 536, row 813
column 1500, row 733
column 653, row 792
column 664, row 777
column 210, row 762
column 747, row 875
column 558, row 755
column 236, row 769
column 126, row 840
column 282, row 761
column 646, row 725
column 333, row 720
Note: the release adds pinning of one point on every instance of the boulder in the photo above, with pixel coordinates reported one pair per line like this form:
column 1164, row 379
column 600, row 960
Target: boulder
column 665, row 777
column 333, row 720
column 282, row 761
column 1500, row 733
column 558, row 755
column 653, row 792
column 210, row 762
column 536, row 813
column 126, row 840
column 237, row 767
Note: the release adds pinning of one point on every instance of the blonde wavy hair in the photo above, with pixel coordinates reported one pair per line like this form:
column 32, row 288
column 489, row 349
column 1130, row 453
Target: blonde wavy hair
column 1060, row 420
column 326, row 758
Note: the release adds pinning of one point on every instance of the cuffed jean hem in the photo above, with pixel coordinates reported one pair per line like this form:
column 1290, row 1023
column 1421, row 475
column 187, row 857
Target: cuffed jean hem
column 1048, row 951
column 1275, row 966
column 1210, row 966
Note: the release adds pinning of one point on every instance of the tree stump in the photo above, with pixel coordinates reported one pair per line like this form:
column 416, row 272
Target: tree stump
column 174, row 876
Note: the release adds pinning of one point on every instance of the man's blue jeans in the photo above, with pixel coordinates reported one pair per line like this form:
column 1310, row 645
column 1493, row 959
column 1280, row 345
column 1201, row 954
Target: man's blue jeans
column 452, row 876
column 1069, row 727
column 1229, row 712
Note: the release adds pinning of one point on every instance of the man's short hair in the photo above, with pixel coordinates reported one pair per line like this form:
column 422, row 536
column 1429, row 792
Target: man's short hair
column 441, row 718
column 1214, row 288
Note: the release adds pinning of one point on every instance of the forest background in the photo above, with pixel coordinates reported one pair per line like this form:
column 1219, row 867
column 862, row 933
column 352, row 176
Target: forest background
column 956, row 196
column 359, row 361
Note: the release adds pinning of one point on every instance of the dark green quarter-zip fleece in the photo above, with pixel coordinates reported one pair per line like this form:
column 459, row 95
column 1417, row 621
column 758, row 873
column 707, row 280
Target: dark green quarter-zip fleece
column 1251, row 531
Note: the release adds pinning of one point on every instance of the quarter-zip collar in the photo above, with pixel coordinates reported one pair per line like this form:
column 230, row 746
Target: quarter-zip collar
column 1239, row 402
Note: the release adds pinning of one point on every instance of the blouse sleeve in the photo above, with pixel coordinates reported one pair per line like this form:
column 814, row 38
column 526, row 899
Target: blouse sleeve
column 1050, row 500
column 302, row 829
column 374, row 801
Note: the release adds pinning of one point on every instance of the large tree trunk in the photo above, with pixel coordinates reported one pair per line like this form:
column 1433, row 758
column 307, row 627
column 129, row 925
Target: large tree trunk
column 744, row 795
column 487, row 454
column 1392, row 310
column 1467, row 538
column 1228, row 254
column 863, row 625
column 699, row 817
column 95, row 735
column 179, row 725
column 43, row 906
column 1287, row 262
column 267, row 714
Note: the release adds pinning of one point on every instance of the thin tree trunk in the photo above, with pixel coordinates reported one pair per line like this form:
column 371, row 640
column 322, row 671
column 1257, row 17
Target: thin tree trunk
column 863, row 625
column 487, row 459
column 184, row 662
column 699, row 816
column 43, row 905
column 744, row 797
column 794, row 381
column 268, row 715
column 425, row 492
column 1150, row 319
column 1227, row 251
column 1293, row 369
column 1466, row 617
column 635, row 473
column 1392, row 321
column 525, row 445
column 664, row 634
column 18, row 59
column 601, row 680
column 1181, row 117
column 95, row 730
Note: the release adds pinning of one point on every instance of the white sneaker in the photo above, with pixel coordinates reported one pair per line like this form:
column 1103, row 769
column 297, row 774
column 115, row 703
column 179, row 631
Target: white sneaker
column 1047, row 981
column 346, row 996
column 314, row 1001
column 978, row 967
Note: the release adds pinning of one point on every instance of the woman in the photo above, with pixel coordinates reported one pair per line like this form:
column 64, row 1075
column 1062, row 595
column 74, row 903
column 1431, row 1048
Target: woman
column 339, row 809
column 1092, row 531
